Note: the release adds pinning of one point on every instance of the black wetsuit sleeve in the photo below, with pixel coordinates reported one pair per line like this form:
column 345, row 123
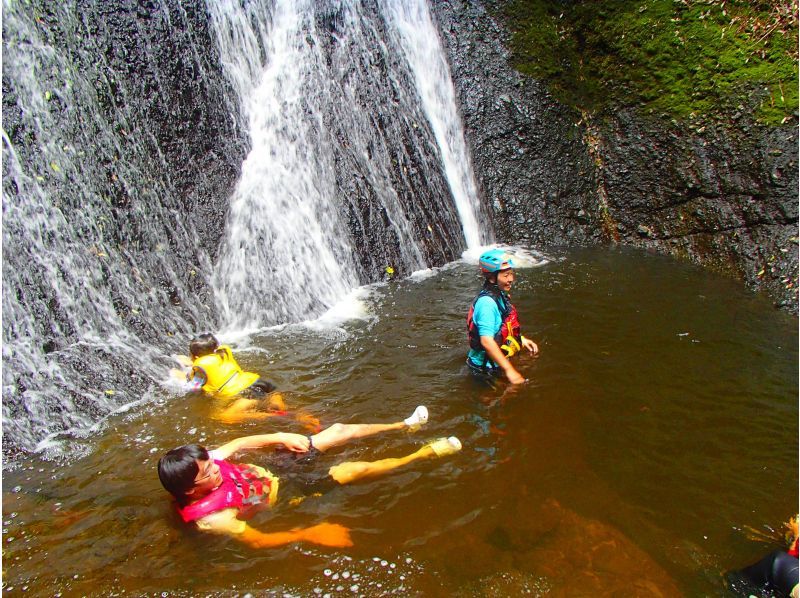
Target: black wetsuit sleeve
column 778, row 572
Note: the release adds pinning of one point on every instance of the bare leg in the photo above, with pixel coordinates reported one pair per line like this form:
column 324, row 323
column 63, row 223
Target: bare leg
column 339, row 434
column 241, row 410
column 276, row 402
column 348, row 472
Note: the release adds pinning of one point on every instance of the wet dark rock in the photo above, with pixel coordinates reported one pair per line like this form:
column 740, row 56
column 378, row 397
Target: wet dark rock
column 712, row 196
column 530, row 158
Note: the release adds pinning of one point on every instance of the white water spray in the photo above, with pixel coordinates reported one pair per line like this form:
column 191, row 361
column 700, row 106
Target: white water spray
column 423, row 49
column 289, row 252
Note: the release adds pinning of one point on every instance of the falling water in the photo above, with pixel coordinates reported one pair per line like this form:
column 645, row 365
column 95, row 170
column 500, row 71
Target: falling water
column 96, row 253
column 423, row 49
column 289, row 252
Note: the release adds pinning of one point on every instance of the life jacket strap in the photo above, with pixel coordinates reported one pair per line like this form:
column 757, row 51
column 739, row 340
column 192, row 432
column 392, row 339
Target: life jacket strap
column 233, row 375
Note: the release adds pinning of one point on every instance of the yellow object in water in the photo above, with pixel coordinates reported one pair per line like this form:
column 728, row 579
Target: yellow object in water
column 224, row 377
column 510, row 347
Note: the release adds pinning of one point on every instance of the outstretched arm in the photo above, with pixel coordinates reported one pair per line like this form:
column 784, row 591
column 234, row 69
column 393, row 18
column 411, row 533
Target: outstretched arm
column 294, row 442
column 324, row 534
column 496, row 354
column 226, row 523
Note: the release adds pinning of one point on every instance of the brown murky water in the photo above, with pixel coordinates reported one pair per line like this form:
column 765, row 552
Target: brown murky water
column 660, row 421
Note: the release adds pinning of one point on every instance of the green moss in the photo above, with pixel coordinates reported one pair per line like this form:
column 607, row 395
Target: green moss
column 682, row 58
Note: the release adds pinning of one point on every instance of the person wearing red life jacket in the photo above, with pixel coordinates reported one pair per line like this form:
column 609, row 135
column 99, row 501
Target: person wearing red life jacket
column 219, row 496
column 493, row 327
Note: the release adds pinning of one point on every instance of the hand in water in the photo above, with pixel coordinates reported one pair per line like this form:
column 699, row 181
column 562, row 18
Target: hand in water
column 328, row 534
column 297, row 443
column 530, row 345
column 515, row 377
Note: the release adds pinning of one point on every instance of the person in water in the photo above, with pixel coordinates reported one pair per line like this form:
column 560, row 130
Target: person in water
column 776, row 574
column 218, row 496
column 493, row 327
column 213, row 369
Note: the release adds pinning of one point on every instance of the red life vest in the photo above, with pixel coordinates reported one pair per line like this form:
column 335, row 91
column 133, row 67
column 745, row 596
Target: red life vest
column 510, row 333
column 242, row 487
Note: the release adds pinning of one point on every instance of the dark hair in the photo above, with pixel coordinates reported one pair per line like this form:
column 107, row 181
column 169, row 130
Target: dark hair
column 490, row 276
column 204, row 344
column 490, row 283
column 178, row 469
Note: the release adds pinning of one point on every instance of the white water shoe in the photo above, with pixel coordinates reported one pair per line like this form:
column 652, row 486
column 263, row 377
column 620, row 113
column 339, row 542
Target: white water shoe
column 445, row 446
column 417, row 419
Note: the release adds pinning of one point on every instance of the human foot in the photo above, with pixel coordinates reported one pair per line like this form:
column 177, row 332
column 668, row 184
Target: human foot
column 417, row 419
column 445, row 446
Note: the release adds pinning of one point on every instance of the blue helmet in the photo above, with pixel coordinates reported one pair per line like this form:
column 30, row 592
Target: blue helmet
column 495, row 260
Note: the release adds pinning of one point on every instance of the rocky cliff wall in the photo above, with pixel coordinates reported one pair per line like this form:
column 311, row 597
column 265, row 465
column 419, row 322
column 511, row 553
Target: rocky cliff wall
column 724, row 195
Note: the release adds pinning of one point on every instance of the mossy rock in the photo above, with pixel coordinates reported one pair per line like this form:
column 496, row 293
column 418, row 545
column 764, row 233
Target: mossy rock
column 683, row 59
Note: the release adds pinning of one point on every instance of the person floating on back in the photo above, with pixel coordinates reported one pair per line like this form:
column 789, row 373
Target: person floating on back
column 493, row 327
column 218, row 496
column 213, row 369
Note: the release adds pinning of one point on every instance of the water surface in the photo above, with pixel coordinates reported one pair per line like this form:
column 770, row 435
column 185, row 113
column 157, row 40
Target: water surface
column 660, row 421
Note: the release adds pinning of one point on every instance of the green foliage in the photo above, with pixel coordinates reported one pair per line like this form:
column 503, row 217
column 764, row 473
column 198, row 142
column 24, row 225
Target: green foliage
column 683, row 58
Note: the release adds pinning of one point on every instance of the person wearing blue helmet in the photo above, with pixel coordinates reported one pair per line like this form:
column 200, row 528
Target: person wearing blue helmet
column 493, row 327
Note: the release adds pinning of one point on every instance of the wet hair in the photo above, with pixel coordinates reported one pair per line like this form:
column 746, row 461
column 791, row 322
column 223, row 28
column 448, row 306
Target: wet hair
column 204, row 344
column 490, row 283
column 489, row 278
column 178, row 469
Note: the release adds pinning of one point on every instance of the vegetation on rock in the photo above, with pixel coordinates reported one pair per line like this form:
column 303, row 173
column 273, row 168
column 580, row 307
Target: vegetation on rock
column 682, row 58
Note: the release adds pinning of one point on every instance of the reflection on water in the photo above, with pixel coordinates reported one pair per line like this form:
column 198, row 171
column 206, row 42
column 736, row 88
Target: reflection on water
column 661, row 418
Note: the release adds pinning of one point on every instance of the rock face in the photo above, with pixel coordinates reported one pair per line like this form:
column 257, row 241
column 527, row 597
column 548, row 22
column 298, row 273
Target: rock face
column 723, row 195
column 530, row 157
column 120, row 150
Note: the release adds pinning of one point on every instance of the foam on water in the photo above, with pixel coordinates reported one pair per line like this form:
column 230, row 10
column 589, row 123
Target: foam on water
column 524, row 257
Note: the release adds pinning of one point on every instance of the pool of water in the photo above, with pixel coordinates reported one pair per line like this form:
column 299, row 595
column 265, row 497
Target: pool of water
column 660, row 423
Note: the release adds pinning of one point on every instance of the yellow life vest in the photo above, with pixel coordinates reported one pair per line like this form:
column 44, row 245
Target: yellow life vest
column 224, row 377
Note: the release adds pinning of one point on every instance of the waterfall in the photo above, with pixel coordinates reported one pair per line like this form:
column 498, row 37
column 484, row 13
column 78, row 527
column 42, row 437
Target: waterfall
column 190, row 167
column 289, row 253
column 423, row 50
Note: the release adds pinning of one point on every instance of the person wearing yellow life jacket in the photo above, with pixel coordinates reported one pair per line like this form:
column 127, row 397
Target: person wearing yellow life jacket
column 493, row 328
column 218, row 496
column 214, row 370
